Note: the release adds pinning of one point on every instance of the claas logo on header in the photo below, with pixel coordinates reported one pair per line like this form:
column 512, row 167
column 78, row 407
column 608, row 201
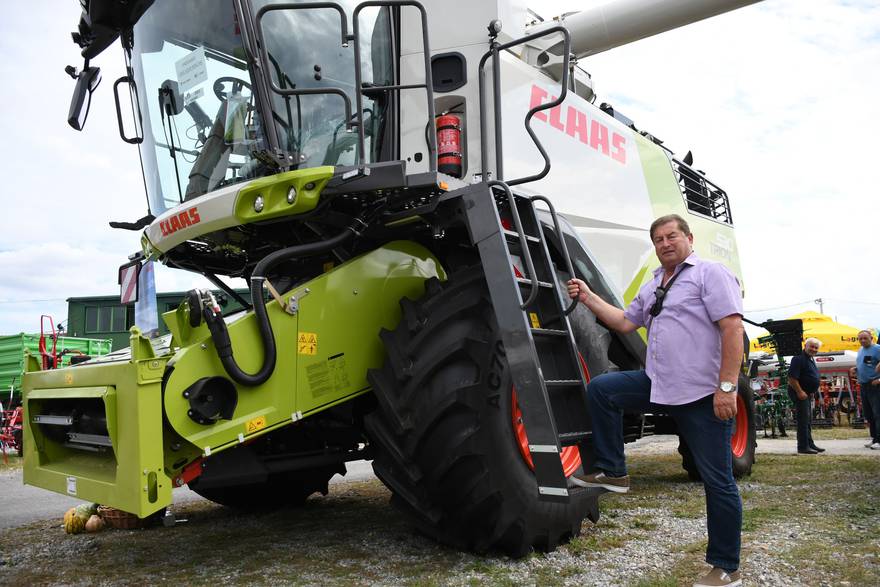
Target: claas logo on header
column 186, row 218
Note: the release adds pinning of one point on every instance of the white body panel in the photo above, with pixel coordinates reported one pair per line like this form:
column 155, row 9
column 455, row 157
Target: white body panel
column 215, row 211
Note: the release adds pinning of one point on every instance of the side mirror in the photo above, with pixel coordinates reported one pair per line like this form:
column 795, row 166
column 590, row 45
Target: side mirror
column 128, row 282
column 86, row 82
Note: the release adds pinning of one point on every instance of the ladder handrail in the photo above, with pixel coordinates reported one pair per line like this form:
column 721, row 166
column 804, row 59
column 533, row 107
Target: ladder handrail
column 428, row 85
column 494, row 54
column 562, row 245
column 527, row 255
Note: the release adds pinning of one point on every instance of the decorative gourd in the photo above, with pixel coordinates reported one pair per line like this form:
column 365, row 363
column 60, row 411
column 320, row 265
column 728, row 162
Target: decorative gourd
column 86, row 510
column 69, row 514
column 73, row 524
column 95, row 523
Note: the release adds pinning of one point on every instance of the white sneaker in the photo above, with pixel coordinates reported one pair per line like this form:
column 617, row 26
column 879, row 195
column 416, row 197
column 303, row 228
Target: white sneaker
column 869, row 443
column 875, row 446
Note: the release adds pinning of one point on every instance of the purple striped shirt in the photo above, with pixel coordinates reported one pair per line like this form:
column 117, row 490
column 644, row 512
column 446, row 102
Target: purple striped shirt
column 684, row 340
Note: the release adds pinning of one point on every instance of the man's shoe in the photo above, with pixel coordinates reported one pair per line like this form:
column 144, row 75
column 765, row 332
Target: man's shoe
column 817, row 449
column 600, row 479
column 719, row 577
column 875, row 446
column 869, row 443
column 808, row 451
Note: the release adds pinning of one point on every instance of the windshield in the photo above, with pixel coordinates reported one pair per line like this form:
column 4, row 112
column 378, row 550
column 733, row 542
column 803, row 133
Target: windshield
column 201, row 129
column 202, row 123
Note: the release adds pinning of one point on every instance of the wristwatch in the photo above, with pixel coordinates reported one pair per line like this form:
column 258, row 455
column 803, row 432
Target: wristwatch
column 727, row 387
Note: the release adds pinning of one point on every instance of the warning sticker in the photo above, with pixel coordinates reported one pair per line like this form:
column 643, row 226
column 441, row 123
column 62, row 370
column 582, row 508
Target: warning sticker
column 338, row 371
column 71, row 485
column 307, row 343
column 255, row 425
column 534, row 319
column 318, row 375
column 191, row 70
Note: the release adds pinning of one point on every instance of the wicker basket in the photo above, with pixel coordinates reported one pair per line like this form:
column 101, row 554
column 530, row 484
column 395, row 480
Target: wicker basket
column 120, row 519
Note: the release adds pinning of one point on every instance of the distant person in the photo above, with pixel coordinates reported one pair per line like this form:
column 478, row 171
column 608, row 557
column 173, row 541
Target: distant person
column 866, row 371
column 803, row 382
column 692, row 310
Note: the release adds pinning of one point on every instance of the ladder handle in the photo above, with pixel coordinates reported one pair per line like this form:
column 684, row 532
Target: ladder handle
column 429, row 82
column 527, row 254
column 562, row 244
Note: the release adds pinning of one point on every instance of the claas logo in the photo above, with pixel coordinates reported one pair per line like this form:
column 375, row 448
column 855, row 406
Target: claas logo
column 178, row 221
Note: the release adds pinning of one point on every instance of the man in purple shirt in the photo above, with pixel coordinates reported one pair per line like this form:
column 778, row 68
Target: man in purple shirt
column 692, row 311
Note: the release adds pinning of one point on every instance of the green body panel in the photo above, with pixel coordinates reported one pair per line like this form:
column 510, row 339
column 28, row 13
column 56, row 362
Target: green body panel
column 339, row 321
column 274, row 190
column 324, row 351
column 713, row 240
column 14, row 347
column 130, row 475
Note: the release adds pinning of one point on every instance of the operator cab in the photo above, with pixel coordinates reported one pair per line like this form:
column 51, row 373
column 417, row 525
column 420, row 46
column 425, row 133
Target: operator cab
column 213, row 117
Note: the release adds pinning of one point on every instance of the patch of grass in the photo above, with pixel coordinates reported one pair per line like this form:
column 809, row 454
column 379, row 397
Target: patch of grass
column 643, row 523
column 590, row 543
column 840, row 433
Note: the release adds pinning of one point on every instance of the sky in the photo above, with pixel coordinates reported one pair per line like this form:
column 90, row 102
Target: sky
column 779, row 102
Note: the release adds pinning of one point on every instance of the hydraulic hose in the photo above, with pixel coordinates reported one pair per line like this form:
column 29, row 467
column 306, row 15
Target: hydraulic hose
column 219, row 333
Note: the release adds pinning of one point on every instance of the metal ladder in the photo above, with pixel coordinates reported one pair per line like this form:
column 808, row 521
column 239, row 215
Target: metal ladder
column 533, row 319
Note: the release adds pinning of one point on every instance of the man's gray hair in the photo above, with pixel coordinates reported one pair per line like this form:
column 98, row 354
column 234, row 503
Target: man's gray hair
column 868, row 332
column 812, row 339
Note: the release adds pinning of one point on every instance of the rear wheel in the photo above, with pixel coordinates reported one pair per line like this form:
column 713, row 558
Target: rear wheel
column 742, row 442
column 444, row 437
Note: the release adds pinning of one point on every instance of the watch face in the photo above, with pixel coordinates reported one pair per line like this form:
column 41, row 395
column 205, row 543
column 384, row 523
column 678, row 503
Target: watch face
column 727, row 386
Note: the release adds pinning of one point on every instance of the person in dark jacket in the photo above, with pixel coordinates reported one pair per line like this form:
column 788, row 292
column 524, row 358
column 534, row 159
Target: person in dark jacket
column 803, row 382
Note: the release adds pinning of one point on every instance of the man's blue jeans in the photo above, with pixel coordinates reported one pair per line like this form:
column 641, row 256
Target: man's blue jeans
column 707, row 436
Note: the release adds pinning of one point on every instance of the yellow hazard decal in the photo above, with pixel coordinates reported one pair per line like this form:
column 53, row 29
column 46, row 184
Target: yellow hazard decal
column 68, row 379
column 307, row 343
column 534, row 318
column 255, row 425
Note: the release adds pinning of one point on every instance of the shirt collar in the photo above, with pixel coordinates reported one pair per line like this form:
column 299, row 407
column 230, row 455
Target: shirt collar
column 691, row 259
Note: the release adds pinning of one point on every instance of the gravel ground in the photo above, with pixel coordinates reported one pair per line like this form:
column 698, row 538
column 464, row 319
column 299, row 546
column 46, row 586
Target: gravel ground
column 633, row 543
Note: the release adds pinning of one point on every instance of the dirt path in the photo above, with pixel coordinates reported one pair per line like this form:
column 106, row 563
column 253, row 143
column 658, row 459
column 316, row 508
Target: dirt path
column 667, row 444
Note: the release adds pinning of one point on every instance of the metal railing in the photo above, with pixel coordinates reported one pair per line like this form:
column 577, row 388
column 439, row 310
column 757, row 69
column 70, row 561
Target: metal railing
column 701, row 195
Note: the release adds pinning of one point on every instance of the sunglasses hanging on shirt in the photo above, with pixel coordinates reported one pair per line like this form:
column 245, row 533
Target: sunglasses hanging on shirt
column 660, row 294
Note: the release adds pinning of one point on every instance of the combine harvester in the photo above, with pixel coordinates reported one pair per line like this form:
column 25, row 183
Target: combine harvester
column 346, row 160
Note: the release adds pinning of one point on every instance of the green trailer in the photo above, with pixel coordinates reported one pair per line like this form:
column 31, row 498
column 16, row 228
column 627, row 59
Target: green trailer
column 13, row 349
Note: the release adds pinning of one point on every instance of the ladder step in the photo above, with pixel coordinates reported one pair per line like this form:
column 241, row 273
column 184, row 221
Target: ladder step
column 524, row 281
column 572, row 438
column 548, row 332
column 563, row 382
column 514, row 234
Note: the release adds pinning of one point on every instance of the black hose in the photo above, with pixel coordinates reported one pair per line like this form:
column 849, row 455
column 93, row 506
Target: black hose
column 217, row 326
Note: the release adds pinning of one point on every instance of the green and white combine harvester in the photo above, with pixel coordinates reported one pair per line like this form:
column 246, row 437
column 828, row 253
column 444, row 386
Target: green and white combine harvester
column 406, row 272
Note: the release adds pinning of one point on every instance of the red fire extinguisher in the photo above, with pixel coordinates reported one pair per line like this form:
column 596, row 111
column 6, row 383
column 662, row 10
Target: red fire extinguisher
column 449, row 145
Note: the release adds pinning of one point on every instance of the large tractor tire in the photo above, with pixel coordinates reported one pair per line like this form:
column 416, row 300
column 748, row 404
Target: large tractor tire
column 743, row 441
column 444, row 434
